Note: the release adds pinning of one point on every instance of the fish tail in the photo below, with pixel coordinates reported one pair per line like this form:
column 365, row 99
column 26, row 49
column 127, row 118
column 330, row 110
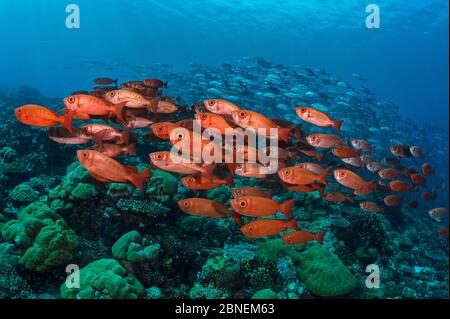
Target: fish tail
column 286, row 207
column 319, row 237
column 118, row 110
column 131, row 149
column 66, row 120
column 337, row 124
column 231, row 168
column 292, row 224
column 319, row 188
column 322, row 179
column 126, row 136
column 165, row 84
column 229, row 181
column 283, row 133
column 139, row 179
column 236, row 217
column 208, row 170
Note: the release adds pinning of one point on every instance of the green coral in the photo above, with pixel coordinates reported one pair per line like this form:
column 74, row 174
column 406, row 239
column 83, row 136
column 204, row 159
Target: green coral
column 105, row 279
column 324, row 274
column 83, row 191
column 162, row 187
column 8, row 254
column 265, row 294
column 23, row 194
column 132, row 247
column 52, row 247
column 45, row 235
column 274, row 249
column 120, row 190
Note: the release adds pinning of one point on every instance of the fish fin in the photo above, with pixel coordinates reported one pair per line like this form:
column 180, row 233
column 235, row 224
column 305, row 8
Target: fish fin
column 100, row 178
column 139, row 179
column 208, row 170
column 292, row 224
column 229, row 181
column 67, row 120
column 81, row 116
column 286, row 207
column 126, row 136
column 319, row 188
column 319, row 237
column 323, row 177
column 337, row 124
column 283, row 133
column 98, row 138
column 118, row 110
column 231, row 168
column 165, row 84
column 132, row 169
column 131, row 149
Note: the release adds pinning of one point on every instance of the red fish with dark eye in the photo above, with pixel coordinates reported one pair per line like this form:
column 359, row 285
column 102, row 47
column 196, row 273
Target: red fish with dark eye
column 389, row 173
column 353, row 161
column 438, row 213
column 374, row 167
column 250, row 191
column 36, row 115
column 391, row 161
column 427, row 169
column 338, row 197
column 300, row 176
column 324, row 140
column 163, row 129
column 318, row 118
column 222, row 107
column 207, row 208
column 400, row 150
column 371, row 207
column 268, row 227
column 106, row 169
column 204, row 183
column 255, row 206
column 362, row 145
column 215, row 121
column 418, row 179
column 301, row 237
column 259, row 123
column 416, row 151
column 344, row 151
column 400, row 186
column 393, row 200
column 350, row 179
column 368, row 189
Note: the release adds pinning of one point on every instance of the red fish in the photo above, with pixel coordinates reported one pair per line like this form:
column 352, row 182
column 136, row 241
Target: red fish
column 251, row 191
column 40, row 116
column 338, row 197
column 204, row 183
column 301, row 237
column 371, row 207
column 393, row 200
column 438, row 213
column 268, row 227
column 256, row 121
column 362, row 145
column 222, row 107
column 400, row 150
column 400, row 186
column 316, row 117
column 254, row 206
column 163, row 129
column 389, row 173
column 312, row 167
column 416, row 151
column 215, row 121
column 418, row 179
column 374, row 167
column 324, row 140
column 105, row 169
column 343, row 151
column 428, row 195
column 427, row 169
column 300, row 176
column 443, row 232
column 350, row 179
column 207, row 208
column 102, row 132
column 155, row 83
column 105, row 81
column 175, row 163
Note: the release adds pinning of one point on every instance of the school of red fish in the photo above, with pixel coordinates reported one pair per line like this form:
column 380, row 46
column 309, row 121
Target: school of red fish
column 140, row 104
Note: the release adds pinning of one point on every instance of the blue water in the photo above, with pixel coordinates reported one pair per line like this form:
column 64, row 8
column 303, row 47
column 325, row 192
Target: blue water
column 405, row 61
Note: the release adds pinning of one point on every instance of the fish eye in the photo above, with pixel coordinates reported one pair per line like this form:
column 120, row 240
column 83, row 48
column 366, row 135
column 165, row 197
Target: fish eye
column 341, row 174
column 287, row 172
column 211, row 102
column 71, row 99
column 303, row 110
column 289, row 238
column 19, row 110
column 190, row 180
column 180, row 136
column 239, row 166
column 251, row 228
column 112, row 93
column 186, row 203
column 159, row 156
column 242, row 114
column 85, row 155
column 203, row 117
column 243, row 203
column 160, row 128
